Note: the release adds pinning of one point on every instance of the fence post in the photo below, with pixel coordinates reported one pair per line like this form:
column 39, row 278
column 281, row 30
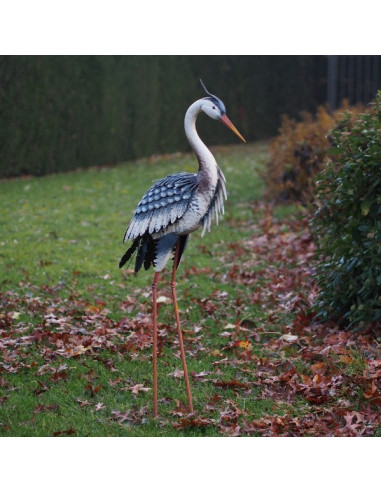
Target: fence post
column 332, row 82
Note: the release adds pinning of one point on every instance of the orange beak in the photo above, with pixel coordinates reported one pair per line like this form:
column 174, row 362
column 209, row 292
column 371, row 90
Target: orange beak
column 230, row 125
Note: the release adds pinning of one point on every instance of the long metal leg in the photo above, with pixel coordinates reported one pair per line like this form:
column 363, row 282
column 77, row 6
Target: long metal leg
column 177, row 316
column 154, row 318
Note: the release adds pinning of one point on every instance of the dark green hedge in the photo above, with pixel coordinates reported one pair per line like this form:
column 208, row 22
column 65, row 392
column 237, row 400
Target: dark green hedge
column 63, row 112
column 347, row 224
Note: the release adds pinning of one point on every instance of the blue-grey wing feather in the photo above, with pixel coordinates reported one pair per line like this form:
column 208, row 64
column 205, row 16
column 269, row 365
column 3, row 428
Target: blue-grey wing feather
column 163, row 204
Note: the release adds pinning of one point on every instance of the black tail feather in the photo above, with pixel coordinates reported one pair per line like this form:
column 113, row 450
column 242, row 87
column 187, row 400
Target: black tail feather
column 146, row 251
column 141, row 253
column 151, row 253
column 128, row 254
column 183, row 243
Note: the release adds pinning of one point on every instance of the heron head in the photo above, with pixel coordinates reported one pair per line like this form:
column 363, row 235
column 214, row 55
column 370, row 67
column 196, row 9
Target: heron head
column 215, row 109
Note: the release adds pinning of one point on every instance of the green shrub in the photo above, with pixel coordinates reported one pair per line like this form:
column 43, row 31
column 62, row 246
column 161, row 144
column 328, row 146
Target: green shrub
column 348, row 223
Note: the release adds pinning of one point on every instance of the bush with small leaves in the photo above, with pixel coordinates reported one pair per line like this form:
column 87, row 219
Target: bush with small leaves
column 347, row 223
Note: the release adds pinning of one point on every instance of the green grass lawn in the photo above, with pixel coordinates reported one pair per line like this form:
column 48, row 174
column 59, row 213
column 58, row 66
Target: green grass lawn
column 76, row 330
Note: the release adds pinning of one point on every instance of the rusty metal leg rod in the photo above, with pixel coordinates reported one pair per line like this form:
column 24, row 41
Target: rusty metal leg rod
column 177, row 316
column 154, row 320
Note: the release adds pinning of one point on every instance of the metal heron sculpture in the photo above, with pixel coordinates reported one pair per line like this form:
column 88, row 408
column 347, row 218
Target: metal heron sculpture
column 170, row 210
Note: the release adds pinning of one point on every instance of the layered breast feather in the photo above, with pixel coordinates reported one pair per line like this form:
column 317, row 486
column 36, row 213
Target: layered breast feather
column 216, row 205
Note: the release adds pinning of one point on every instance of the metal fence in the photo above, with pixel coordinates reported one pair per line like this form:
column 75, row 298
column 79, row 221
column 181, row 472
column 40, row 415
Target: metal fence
column 353, row 77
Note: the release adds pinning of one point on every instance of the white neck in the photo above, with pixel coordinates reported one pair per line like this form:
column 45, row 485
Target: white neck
column 207, row 173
